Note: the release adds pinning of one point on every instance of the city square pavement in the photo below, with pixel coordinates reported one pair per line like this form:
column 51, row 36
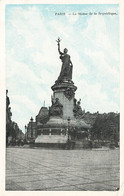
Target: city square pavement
column 62, row 170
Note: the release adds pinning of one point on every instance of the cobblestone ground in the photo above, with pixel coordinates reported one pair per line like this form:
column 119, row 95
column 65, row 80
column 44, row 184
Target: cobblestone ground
column 62, row 170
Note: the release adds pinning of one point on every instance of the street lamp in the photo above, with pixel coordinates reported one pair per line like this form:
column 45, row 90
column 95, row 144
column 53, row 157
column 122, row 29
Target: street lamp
column 31, row 120
column 25, row 131
column 68, row 127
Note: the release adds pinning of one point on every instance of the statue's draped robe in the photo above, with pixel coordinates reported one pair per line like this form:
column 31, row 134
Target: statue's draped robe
column 66, row 70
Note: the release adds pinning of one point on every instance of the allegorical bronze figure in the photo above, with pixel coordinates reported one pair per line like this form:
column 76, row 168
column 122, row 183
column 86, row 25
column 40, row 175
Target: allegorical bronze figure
column 66, row 69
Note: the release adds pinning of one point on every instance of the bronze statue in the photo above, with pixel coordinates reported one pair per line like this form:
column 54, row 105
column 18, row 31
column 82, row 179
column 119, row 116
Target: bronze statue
column 66, row 69
column 57, row 108
column 77, row 108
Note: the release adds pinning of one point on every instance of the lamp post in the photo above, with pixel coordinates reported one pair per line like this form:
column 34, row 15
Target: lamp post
column 68, row 127
column 31, row 120
column 25, row 132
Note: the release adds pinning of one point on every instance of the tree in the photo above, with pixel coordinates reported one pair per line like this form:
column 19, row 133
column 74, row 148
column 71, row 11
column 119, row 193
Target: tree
column 106, row 127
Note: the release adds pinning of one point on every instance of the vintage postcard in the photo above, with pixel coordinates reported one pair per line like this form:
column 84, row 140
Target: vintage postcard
column 61, row 91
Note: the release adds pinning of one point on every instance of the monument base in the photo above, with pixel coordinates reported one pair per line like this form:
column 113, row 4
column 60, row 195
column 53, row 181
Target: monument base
column 51, row 145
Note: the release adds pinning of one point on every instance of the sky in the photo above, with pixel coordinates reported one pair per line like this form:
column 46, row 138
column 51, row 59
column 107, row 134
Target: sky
column 32, row 59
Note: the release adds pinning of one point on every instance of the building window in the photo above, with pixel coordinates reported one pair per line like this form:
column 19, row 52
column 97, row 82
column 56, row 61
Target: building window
column 55, row 131
column 45, row 131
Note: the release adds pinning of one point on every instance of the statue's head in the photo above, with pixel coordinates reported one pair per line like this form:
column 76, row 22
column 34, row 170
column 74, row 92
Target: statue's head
column 78, row 102
column 57, row 99
column 65, row 50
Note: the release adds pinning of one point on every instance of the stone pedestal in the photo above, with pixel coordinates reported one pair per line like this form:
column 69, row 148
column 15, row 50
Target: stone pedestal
column 65, row 92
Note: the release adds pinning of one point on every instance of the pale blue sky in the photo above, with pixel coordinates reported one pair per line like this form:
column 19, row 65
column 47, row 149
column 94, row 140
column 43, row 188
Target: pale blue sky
column 32, row 59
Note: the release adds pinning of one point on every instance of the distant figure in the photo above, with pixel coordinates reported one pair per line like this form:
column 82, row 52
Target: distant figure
column 66, row 69
column 77, row 108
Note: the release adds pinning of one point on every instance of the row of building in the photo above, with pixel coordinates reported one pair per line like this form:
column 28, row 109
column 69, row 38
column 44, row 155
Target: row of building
column 13, row 132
